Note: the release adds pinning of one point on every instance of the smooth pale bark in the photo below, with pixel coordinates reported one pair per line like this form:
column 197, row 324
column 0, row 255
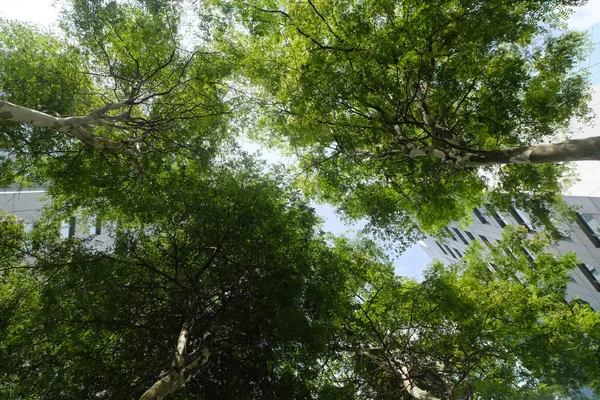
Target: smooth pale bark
column 180, row 373
column 71, row 126
column 587, row 149
column 174, row 379
column 400, row 373
column 571, row 150
column 411, row 388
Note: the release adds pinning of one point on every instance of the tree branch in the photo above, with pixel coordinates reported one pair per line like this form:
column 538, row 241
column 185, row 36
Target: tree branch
column 411, row 388
column 399, row 372
column 180, row 373
column 428, row 119
column 71, row 126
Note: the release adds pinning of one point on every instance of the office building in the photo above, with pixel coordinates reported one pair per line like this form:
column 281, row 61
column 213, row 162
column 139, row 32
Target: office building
column 27, row 203
column 581, row 236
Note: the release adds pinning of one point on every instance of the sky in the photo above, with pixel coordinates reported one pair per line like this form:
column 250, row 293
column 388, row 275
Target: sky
column 410, row 263
column 584, row 17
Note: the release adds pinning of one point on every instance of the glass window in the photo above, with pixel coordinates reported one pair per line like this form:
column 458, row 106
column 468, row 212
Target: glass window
column 528, row 255
column 460, row 235
column 457, row 252
column 67, row 229
column 562, row 233
column 500, row 220
column 591, row 276
column 480, row 215
column 450, row 251
column 485, row 241
column 590, row 226
column 451, row 234
column 64, row 230
column 441, row 248
column 522, row 218
column 520, row 277
column 96, row 227
column 470, row 235
column 591, row 222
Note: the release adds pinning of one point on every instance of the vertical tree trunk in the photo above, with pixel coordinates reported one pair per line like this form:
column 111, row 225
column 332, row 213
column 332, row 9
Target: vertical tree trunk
column 180, row 372
column 398, row 373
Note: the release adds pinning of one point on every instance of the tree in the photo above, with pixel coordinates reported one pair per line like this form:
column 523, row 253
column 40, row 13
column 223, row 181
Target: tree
column 222, row 285
column 229, row 268
column 122, row 96
column 494, row 326
column 219, row 282
column 411, row 113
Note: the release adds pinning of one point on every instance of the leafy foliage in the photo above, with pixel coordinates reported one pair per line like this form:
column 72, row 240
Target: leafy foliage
column 201, row 236
column 236, row 256
column 379, row 98
column 169, row 100
column 466, row 332
column 291, row 311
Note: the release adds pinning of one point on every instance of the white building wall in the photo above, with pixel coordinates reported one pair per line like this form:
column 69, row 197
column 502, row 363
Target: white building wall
column 583, row 286
column 26, row 204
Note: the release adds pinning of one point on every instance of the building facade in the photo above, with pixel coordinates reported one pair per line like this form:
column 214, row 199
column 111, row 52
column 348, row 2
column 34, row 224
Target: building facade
column 581, row 236
column 27, row 204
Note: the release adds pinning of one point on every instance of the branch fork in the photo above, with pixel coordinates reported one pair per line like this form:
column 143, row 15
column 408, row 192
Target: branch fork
column 75, row 127
column 180, row 371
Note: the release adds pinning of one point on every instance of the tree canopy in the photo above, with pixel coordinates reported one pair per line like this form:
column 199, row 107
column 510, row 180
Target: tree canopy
column 234, row 291
column 411, row 113
column 490, row 327
column 404, row 112
column 238, row 259
column 115, row 95
column 217, row 280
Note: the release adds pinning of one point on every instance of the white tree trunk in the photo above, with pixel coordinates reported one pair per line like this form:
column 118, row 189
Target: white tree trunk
column 413, row 389
column 180, row 373
column 571, row 150
column 587, row 149
column 71, row 126
column 398, row 372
